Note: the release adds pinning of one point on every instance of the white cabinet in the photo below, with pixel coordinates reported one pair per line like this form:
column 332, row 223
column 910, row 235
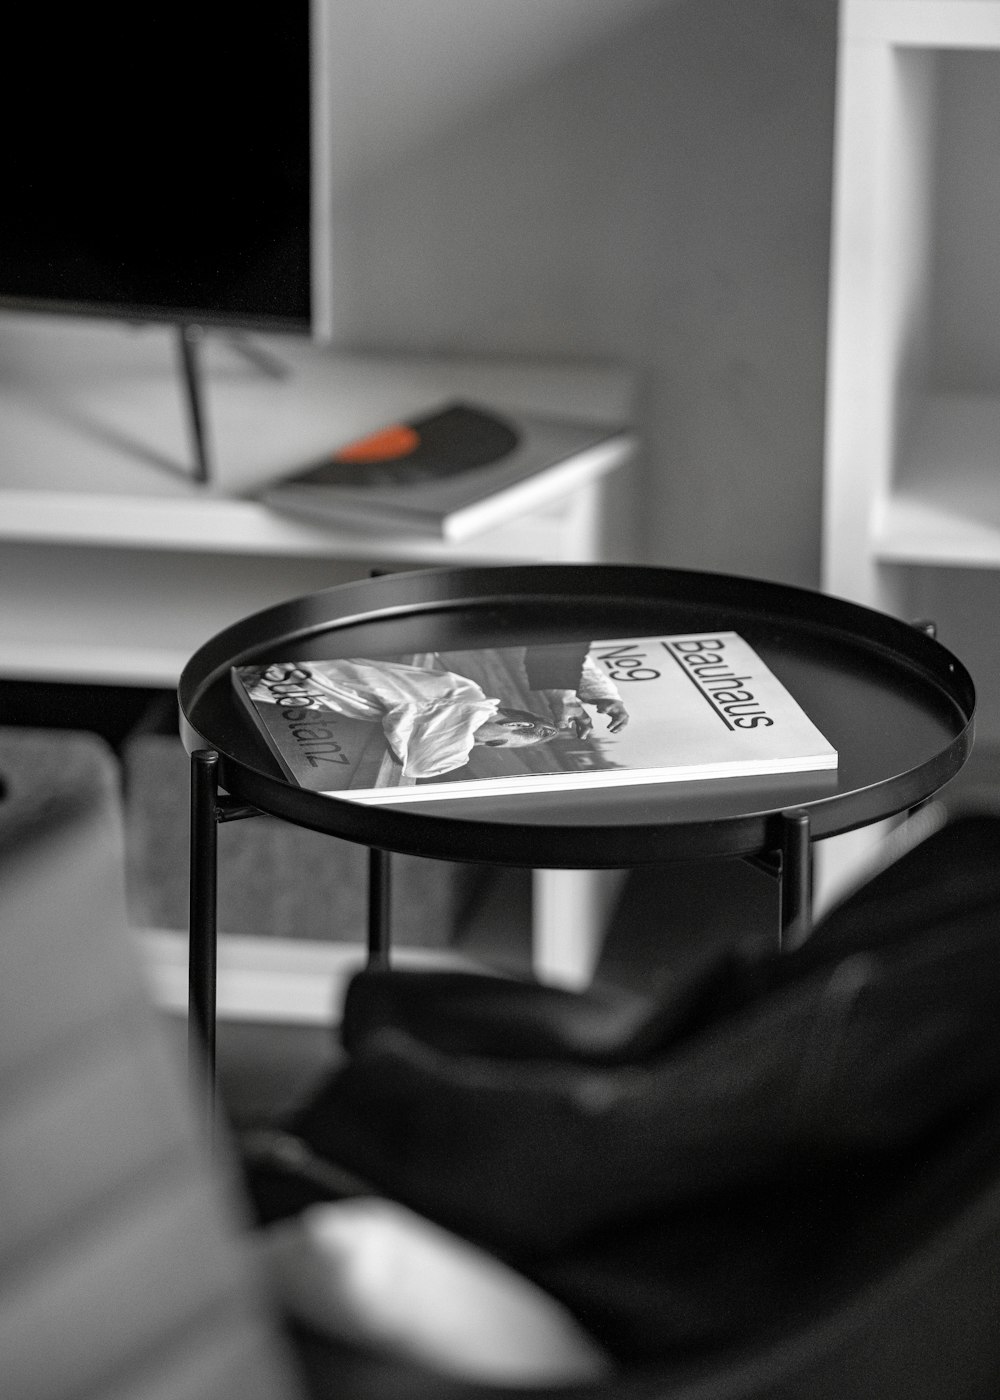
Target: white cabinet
column 912, row 505
column 116, row 565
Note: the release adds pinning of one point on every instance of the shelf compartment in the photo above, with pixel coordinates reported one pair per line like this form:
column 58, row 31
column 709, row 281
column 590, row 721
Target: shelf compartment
column 924, row 23
column 944, row 505
column 227, row 526
column 913, row 424
column 129, row 616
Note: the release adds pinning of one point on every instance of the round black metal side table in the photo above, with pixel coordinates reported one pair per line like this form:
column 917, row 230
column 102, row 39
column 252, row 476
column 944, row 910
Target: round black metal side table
column 895, row 703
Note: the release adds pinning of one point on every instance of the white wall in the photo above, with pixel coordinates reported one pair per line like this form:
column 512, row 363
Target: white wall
column 646, row 180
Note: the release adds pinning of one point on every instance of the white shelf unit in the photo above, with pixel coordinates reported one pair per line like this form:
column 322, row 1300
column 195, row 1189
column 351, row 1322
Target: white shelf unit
column 116, row 565
column 912, row 482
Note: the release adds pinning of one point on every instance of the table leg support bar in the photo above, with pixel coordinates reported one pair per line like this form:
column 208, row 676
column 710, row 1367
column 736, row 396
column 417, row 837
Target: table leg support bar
column 202, row 953
column 379, row 907
column 795, row 880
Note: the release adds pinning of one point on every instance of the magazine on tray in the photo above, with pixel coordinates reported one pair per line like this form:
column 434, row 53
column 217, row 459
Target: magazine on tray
column 533, row 718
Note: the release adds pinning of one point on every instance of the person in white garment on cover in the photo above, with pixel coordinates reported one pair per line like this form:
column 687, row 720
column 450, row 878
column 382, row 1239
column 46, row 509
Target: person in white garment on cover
column 568, row 683
column 431, row 719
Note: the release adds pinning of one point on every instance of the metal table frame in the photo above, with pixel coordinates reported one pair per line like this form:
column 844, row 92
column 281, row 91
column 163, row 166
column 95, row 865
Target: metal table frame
column 913, row 673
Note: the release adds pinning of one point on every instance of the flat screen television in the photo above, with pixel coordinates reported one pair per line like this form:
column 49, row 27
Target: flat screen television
column 155, row 162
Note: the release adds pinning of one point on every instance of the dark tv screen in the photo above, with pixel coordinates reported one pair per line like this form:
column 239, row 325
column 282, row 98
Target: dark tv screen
column 155, row 162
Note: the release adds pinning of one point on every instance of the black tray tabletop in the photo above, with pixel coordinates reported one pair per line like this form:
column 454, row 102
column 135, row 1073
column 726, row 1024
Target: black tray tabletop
column 895, row 703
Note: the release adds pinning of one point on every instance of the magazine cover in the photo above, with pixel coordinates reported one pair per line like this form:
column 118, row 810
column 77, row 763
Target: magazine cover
column 453, row 472
column 530, row 718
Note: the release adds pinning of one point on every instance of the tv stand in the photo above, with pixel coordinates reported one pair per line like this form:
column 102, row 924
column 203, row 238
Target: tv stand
column 189, row 342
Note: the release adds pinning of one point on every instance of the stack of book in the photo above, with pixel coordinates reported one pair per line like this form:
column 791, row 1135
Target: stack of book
column 452, row 473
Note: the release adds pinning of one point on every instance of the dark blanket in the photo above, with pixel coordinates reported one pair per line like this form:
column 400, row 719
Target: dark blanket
column 698, row 1167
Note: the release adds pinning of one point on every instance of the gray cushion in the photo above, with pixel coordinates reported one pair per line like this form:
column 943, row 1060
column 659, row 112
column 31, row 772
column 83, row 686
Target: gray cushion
column 123, row 1269
column 275, row 879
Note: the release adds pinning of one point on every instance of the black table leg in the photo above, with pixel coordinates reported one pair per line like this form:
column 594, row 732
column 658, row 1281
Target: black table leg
column 379, row 907
column 202, row 950
column 795, row 880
